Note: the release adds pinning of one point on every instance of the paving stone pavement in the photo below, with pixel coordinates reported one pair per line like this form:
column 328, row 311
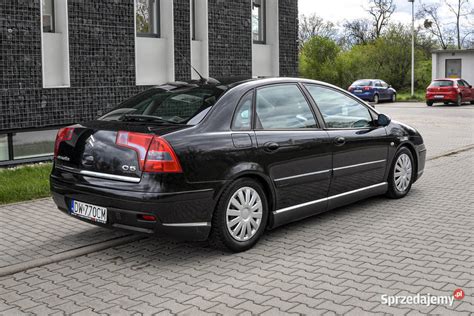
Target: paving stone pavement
column 37, row 229
column 339, row 262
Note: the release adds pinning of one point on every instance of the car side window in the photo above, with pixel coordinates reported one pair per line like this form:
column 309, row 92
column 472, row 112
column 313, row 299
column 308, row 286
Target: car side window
column 243, row 114
column 340, row 110
column 384, row 84
column 378, row 84
column 461, row 83
column 283, row 106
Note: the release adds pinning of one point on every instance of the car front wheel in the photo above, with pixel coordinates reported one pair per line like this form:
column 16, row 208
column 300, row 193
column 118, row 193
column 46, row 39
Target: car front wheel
column 401, row 175
column 429, row 103
column 394, row 97
column 240, row 217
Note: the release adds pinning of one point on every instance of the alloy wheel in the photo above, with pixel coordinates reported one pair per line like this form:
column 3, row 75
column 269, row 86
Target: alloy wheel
column 403, row 172
column 244, row 214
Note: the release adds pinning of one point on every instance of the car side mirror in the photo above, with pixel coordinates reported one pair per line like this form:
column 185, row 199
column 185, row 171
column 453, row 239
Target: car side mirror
column 383, row 120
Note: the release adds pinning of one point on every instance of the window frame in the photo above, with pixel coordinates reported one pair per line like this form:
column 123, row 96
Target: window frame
column 193, row 20
column 316, row 116
column 53, row 16
column 262, row 27
column 157, row 13
column 447, row 60
column 252, row 112
column 373, row 114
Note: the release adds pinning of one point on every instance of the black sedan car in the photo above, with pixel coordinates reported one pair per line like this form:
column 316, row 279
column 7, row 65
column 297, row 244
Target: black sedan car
column 224, row 162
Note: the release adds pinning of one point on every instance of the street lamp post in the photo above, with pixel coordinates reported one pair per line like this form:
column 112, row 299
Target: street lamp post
column 412, row 47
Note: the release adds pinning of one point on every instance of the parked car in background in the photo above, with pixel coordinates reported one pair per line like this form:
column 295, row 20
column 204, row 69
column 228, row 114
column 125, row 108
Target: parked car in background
column 448, row 91
column 373, row 90
column 225, row 162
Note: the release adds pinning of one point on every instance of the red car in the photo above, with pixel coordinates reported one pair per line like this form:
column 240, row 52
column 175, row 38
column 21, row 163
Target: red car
column 449, row 90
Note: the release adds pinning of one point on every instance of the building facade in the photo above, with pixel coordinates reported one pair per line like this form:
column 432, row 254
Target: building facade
column 67, row 61
column 453, row 64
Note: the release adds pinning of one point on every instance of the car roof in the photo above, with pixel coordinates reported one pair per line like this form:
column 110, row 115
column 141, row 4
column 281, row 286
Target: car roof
column 447, row 79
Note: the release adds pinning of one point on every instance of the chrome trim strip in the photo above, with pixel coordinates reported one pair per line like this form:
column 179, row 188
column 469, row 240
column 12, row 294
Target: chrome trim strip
column 187, row 224
column 360, row 164
column 329, row 198
column 100, row 175
column 299, row 206
column 303, row 175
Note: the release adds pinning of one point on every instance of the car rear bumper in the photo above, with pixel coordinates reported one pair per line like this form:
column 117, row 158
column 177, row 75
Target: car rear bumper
column 367, row 96
column 441, row 97
column 182, row 215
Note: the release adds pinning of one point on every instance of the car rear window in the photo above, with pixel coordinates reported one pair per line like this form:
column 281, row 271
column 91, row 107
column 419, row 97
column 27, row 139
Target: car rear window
column 179, row 106
column 362, row 83
column 442, row 83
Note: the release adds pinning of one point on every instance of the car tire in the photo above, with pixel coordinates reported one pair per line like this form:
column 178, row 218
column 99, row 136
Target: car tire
column 472, row 102
column 459, row 100
column 402, row 174
column 394, row 98
column 429, row 103
column 376, row 99
column 234, row 209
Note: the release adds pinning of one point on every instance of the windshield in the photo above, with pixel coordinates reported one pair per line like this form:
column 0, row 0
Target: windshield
column 442, row 83
column 180, row 106
column 362, row 83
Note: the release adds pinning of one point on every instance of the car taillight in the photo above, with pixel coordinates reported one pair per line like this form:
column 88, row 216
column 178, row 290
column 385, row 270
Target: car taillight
column 154, row 153
column 137, row 141
column 161, row 157
column 64, row 134
column 366, row 88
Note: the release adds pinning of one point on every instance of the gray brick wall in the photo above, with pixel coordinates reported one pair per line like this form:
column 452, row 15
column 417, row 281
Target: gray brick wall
column 230, row 41
column 288, row 11
column 102, row 58
column 182, row 39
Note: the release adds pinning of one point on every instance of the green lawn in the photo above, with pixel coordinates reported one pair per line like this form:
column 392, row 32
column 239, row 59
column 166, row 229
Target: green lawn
column 24, row 183
column 406, row 96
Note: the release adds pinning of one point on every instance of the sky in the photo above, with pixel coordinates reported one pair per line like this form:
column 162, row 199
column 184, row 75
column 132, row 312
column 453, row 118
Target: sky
column 340, row 10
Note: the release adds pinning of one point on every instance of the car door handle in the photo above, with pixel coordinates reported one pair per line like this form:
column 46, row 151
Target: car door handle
column 271, row 146
column 339, row 141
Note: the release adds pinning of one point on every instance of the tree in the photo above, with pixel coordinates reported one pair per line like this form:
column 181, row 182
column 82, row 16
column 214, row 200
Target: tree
column 460, row 9
column 381, row 11
column 358, row 31
column 433, row 24
column 317, row 59
column 314, row 25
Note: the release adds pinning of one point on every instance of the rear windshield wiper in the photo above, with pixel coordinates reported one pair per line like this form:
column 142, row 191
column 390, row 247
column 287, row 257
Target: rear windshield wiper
column 145, row 118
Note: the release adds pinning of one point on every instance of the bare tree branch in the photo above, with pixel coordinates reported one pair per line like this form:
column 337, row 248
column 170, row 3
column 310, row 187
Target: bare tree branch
column 381, row 11
column 314, row 25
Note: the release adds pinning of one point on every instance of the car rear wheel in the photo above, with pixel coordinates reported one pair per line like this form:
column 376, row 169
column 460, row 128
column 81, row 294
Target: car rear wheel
column 376, row 99
column 459, row 100
column 401, row 175
column 240, row 217
column 429, row 103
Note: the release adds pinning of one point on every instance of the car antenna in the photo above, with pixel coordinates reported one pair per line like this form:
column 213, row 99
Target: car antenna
column 201, row 78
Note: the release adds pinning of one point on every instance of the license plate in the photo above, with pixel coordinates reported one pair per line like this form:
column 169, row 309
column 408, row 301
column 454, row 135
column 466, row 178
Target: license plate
column 439, row 96
column 91, row 212
column 358, row 91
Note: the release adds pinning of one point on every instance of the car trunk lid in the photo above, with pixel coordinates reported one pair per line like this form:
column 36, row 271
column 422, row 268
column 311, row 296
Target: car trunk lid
column 111, row 149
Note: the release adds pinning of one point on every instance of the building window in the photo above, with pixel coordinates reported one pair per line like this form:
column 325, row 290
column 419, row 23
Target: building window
column 48, row 16
column 148, row 18
column 258, row 21
column 193, row 20
column 4, row 155
column 33, row 144
column 453, row 68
